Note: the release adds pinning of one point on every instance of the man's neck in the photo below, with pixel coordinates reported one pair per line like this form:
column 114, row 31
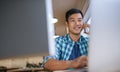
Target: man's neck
column 74, row 37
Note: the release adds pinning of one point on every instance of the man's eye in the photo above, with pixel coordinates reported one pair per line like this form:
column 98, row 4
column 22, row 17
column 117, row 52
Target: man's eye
column 72, row 20
column 79, row 20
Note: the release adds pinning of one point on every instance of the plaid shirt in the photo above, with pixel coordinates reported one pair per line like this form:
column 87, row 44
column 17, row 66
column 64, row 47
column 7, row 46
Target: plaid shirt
column 64, row 46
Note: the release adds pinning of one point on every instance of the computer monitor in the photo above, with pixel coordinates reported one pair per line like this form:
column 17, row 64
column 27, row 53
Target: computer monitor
column 26, row 28
column 104, row 46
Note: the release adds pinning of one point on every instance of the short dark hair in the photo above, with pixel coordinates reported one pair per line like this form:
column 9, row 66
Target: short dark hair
column 72, row 11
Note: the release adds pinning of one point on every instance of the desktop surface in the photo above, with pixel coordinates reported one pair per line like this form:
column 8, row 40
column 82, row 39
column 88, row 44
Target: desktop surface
column 74, row 70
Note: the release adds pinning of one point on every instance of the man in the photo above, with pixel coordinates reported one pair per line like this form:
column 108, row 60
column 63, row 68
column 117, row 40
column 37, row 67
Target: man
column 71, row 49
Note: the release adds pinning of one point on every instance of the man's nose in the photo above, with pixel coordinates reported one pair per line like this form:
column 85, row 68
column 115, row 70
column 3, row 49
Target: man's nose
column 77, row 23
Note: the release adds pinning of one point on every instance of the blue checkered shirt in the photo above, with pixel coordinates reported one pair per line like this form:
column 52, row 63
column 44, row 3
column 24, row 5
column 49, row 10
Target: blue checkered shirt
column 64, row 46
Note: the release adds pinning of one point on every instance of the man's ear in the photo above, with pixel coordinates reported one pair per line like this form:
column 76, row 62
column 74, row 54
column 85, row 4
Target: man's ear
column 66, row 24
column 67, row 27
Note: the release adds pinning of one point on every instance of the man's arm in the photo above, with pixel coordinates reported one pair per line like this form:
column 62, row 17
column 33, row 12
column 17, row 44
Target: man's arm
column 86, row 28
column 53, row 64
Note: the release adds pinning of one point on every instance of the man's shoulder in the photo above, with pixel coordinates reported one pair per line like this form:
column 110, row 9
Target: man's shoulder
column 83, row 38
column 61, row 38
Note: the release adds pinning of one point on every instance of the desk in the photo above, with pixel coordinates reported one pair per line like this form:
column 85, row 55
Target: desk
column 43, row 70
column 75, row 70
column 27, row 70
column 5, row 69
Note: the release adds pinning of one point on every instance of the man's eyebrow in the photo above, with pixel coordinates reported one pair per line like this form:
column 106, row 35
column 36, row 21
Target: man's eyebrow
column 74, row 18
column 79, row 18
column 71, row 18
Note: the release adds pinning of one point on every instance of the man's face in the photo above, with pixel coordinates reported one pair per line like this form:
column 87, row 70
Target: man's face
column 75, row 23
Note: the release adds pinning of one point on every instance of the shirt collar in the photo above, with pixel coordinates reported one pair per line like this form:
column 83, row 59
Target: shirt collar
column 70, row 40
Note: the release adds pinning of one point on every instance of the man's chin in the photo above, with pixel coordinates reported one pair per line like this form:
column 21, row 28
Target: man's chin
column 77, row 33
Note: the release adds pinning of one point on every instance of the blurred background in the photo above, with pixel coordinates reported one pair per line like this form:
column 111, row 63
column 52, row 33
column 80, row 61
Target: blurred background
column 61, row 6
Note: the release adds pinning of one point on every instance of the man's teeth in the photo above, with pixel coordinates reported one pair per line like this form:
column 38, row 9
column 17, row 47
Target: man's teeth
column 77, row 27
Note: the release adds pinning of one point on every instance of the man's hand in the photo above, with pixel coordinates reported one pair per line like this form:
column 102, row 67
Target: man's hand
column 86, row 28
column 79, row 62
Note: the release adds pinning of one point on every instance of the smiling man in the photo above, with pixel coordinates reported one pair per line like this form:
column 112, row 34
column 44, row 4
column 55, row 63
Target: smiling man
column 71, row 49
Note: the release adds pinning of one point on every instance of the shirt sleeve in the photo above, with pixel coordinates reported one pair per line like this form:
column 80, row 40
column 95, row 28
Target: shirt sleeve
column 87, row 44
column 87, row 39
column 58, row 51
column 58, row 46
